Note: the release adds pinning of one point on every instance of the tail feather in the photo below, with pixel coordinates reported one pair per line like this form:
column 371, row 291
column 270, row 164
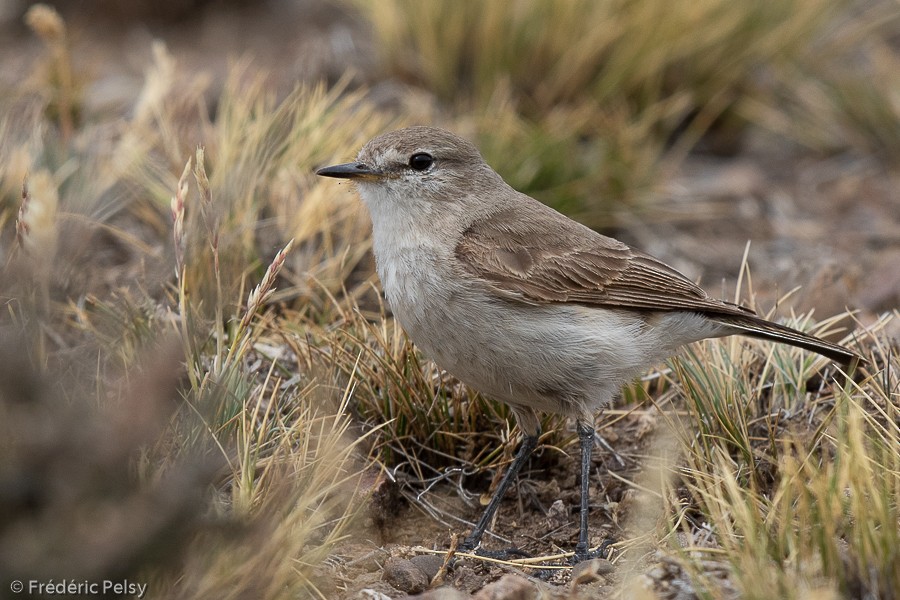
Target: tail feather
column 754, row 326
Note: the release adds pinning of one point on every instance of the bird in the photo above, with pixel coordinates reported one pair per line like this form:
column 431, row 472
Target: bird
column 522, row 303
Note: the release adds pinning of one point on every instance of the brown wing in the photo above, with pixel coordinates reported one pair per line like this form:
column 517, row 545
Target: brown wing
column 533, row 256
column 537, row 258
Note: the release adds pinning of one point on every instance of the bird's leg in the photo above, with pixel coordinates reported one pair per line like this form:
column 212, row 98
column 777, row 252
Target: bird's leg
column 586, row 437
column 529, row 442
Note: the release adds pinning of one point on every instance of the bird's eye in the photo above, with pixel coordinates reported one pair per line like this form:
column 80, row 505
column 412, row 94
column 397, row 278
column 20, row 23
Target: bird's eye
column 421, row 161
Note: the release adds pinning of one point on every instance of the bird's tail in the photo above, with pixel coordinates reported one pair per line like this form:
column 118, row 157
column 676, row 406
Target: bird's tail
column 753, row 326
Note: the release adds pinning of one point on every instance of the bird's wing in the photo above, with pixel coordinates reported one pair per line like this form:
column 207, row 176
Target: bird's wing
column 540, row 260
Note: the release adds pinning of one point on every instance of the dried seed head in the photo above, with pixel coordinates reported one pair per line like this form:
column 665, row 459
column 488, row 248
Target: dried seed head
column 201, row 177
column 36, row 227
column 46, row 22
column 14, row 167
column 178, row 217
column 158, row 84
column 261, row 293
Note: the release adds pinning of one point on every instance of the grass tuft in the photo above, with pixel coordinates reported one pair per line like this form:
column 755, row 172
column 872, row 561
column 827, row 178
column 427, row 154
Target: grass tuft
column 598, row 98
column 790, row 473
column 63, row 97
column 156, row 426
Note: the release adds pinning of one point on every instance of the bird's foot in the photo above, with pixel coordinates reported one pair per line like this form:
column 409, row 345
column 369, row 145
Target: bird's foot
column 583, row 553
column 504, row 554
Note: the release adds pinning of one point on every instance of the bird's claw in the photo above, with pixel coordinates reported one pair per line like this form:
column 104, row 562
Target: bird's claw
column 583, row 554
column 504, row 554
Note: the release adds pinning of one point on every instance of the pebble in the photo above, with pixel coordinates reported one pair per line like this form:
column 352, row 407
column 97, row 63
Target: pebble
column 508, row 587
column 592, row 570
column 444, row 593
column 429, row 564
column 404, row 575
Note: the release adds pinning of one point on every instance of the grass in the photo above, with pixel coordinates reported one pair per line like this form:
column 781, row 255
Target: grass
column 839, row 91
column 605, row 97
column 638, row 54
column 200, row 385
column 587, row 105
column 153, row 390
column 796, row 496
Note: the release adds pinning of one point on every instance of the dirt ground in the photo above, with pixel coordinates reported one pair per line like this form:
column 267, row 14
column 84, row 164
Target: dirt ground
column 539, row 517
column 828, row 224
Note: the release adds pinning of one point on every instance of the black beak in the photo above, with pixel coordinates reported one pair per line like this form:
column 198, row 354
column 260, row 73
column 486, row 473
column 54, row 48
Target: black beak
column 354, row 170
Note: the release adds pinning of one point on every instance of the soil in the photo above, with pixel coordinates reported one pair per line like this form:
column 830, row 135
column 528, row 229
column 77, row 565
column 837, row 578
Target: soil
column 539, row 517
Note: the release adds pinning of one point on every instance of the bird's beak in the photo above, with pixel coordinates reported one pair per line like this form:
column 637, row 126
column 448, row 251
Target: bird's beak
column 354, row 170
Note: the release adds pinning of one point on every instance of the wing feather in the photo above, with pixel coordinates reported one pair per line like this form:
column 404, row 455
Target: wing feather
column 542, row 259
column 549, row 260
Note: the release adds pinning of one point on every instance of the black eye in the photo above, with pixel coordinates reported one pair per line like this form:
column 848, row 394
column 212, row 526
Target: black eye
column 421, row 161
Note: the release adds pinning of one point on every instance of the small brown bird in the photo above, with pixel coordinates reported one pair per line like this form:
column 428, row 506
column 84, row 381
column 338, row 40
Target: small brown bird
column 522, row 303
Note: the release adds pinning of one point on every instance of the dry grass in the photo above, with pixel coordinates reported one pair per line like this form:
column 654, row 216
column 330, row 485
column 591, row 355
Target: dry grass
column 153, row 427
column 841, row 90
column 557, row 53
column 601, row 96
column 789, row 482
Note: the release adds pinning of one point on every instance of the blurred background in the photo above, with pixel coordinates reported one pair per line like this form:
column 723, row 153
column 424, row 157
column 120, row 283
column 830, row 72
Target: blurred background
column 687, row 131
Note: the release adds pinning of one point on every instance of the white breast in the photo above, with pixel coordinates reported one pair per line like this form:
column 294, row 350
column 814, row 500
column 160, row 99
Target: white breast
column 558, row 358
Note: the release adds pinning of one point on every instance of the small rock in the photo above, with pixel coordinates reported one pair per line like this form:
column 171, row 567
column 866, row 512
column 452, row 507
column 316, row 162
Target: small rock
column 604, row 567
column 558, row 510
column 592, row 570
column 371, row 587
column 405, row 576
column 385, row 500
column 443, row 593
column 370, row 594
column 467, row 579
column 508, row 587
column 429, row 564
column 370, row 561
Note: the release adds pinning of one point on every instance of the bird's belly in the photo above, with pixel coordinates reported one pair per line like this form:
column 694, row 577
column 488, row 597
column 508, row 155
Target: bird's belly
column 561, row 359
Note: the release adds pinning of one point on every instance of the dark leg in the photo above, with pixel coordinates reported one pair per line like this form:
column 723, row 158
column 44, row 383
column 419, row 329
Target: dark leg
column 529, row 442
column 586, row 437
